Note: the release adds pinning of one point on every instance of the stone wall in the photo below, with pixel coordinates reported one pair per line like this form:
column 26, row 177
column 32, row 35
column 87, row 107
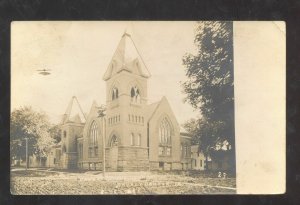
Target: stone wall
column 129, row 159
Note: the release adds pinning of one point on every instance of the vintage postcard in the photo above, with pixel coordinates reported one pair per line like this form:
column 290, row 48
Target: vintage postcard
column 141, row 107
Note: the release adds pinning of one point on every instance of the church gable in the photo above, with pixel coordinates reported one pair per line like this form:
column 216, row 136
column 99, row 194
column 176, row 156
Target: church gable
column 162, row 109
column 91, row 117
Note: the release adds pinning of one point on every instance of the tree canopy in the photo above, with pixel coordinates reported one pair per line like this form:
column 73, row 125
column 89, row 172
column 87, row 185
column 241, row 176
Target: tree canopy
column 33, row 125
column 209, row 87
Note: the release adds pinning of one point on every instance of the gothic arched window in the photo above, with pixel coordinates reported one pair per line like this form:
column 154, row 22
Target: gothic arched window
column 164, row 132
column 93, row 140
column 114, row 141
column 115, row 93
column 164, row 135
column 135, row 95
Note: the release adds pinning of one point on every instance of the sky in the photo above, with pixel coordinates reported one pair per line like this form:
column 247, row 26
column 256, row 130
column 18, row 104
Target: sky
column 78, row 54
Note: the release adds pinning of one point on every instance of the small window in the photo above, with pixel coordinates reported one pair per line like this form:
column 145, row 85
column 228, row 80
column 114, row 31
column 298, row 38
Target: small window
column 200, row 162
column 135, row 95
column 138, row 143
column 115, row 93
column 161, row 165
column 139, row 119
column 160, row 151
column 168, row 152
column 65, row 134
column 132, row 139
column 119, row 118
column 142, row 119
column 135, row 118
column 185, row 151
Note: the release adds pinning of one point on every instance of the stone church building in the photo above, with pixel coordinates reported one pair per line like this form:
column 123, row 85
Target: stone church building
column 135, row 135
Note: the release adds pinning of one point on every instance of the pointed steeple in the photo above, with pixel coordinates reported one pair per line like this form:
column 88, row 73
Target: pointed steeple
column 126, row 58
column 74, row 112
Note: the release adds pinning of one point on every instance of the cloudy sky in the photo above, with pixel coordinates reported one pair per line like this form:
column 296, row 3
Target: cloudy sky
column 78, row 54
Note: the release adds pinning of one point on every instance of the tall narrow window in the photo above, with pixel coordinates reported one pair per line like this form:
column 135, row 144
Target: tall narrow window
column 164, row 135
column 93, row 140
column 138, row 143
column 115, row 93
column 164, row 132
column 131, row 139
column 135, row 95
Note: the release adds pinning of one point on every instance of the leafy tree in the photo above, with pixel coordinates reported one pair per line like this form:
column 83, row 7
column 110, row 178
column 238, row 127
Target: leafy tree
column 55, row 133
column 209, row 87
column 27, row 123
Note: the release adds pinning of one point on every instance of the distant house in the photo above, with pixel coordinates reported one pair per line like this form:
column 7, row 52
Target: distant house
column 198, row 158
column 222, row 165
column 185, row 149
column 199, row 161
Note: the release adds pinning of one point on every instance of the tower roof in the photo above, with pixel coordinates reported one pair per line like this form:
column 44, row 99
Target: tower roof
column 126, row 58
column 74, row 112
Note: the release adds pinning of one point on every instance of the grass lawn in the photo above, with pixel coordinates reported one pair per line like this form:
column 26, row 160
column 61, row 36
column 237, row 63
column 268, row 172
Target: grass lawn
column 92, row 182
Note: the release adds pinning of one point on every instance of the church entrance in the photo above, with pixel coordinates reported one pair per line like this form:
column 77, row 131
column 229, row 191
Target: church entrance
column 113, row 159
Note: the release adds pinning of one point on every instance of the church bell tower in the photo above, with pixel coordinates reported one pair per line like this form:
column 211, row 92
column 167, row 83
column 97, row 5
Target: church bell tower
column 126, row 98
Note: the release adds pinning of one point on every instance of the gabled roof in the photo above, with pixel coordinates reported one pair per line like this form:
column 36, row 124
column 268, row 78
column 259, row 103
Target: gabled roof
column 74, row 112
column 151, row 108
column 126, row 58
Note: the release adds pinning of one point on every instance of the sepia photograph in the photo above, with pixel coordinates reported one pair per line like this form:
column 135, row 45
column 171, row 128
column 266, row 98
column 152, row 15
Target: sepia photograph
column 124, row 107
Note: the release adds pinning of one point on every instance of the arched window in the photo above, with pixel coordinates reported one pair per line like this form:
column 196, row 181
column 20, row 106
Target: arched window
column 93, row 140
column 114, row 141
column 132, row 139
column 135, row 95
column 115, row 93
column 138, row 143
column 164, row 132
column 164, row 135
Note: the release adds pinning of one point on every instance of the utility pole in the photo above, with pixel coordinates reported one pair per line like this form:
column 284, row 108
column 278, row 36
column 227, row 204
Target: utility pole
column 101, row 113
column 26, row 153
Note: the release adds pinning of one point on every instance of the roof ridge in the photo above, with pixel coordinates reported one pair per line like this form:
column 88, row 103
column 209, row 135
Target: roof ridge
column 156, row 107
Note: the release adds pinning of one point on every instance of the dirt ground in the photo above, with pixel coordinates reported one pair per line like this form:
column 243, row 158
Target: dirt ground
column 92, row 182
